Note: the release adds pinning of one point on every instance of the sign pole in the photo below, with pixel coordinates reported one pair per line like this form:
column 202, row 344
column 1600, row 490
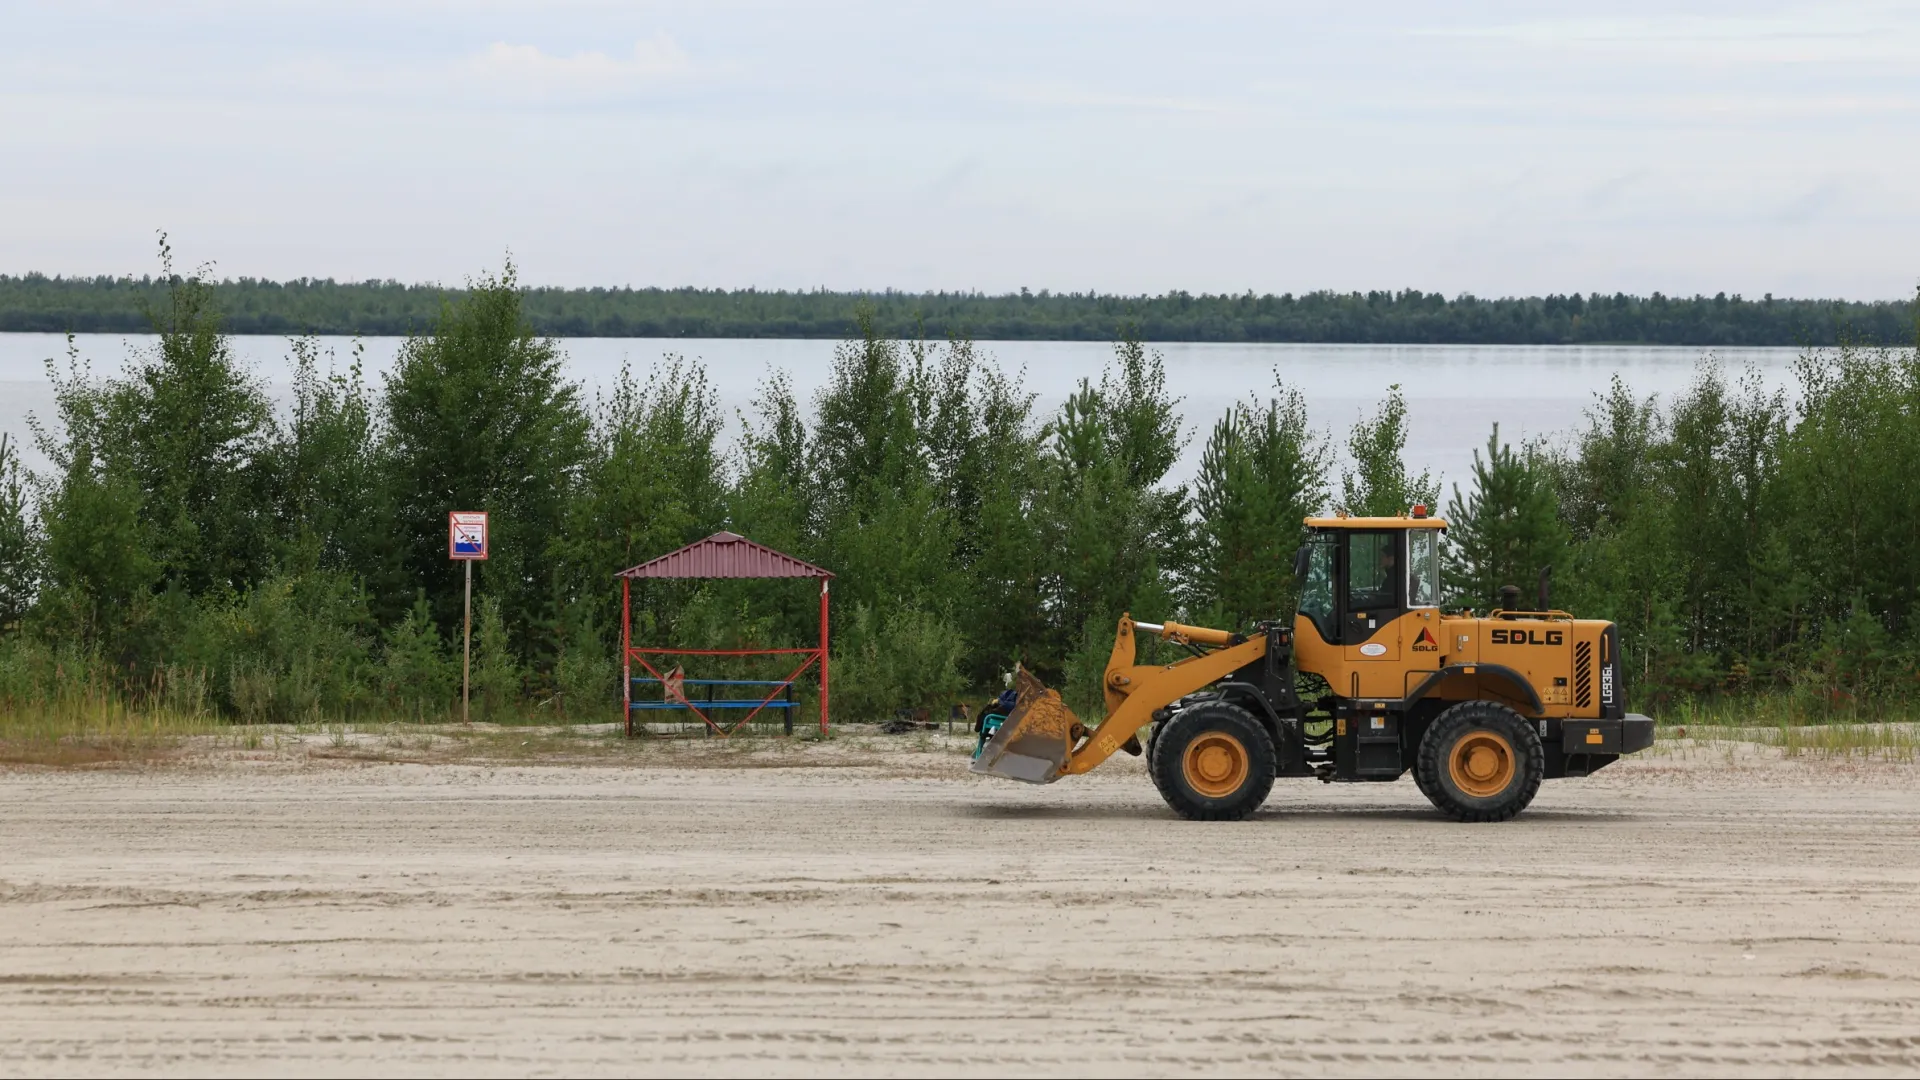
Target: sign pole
column 466, row 650
column 467, row 541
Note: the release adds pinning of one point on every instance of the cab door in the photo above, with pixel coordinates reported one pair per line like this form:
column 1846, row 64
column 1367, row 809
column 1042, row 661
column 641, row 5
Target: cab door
column 1373, row 600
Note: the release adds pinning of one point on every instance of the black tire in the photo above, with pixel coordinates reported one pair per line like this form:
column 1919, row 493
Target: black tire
column 1211, row 731
column 1153, row 737
column 1419, row 778
column 1519, row 762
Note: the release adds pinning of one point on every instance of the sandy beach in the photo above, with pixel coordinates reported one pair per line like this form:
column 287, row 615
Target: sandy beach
column 818, row 912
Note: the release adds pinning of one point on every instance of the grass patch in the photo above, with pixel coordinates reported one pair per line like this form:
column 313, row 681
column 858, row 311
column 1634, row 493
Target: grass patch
column 1797, row 726
column 1884, row 742
column 1785, row 710
column 88, row 730
column 1891, row 741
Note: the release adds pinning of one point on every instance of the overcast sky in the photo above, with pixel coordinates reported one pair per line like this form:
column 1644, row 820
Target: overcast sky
column 1482, row 147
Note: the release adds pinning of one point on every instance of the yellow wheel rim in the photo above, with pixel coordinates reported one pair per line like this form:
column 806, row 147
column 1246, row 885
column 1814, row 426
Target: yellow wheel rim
column 1482, row 764
column 1215, row 764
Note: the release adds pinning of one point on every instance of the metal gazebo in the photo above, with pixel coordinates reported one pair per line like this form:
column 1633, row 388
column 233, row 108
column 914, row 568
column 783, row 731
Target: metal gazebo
column 722, row 555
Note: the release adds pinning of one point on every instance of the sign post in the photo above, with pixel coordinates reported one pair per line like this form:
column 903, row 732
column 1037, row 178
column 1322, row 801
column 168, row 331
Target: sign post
column 467, row 543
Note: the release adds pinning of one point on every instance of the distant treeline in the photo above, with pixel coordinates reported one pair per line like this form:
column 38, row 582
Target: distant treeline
column 35, row 302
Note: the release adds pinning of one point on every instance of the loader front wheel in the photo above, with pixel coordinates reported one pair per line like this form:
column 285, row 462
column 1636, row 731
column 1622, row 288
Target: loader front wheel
column 1479, row 761
column 1213, row 763
column 1153, row 734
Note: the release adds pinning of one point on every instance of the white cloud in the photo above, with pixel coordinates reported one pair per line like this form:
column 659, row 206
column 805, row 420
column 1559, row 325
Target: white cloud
column 1057, row 94
column 1812, row 35
column 530, row 68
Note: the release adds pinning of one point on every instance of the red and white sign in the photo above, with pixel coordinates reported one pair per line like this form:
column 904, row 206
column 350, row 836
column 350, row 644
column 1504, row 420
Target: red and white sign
column 467, row 534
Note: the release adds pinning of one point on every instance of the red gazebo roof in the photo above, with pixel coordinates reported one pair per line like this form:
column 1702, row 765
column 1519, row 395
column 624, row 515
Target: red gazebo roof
column 725, row 555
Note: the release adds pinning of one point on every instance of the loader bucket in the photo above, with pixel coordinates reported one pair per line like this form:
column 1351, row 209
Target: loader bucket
column 1034, row 742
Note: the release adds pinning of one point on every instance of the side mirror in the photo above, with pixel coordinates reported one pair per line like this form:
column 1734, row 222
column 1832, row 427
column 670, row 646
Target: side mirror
column 1300, row 560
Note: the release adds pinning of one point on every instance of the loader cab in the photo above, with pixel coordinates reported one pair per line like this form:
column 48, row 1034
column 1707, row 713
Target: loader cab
column 1357, row 575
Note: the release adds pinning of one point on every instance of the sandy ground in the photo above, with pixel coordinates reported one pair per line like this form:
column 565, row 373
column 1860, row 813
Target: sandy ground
column 1684, row 915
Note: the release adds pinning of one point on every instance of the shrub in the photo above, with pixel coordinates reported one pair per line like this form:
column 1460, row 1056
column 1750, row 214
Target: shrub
column 419, row 676
column 495, row 678
column 588, row 679
column 908, row 660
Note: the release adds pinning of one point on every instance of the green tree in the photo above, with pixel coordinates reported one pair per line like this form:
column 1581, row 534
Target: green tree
column 586, row 676
column 988, row 468
column 1675, row 533
column 1378, row 484
column 479, row 416
column 19, row 541
column 1145, row 428
column 1116, row 536
column 774, row 499
column 908, row 660
column 1263, row 472
column 99, row 561
column 1848, row 497
column 1611, row 500
column 418, row 675
column 296, row 647
column 882, row 525
column 193, row 429
column 654, row 480
column 168, row 460
column 494, row 679
column 334, row 511
column 1098, row 529
column 1609, row 475
column 1718, row 472
column 1506, row 530
column 1148, row 435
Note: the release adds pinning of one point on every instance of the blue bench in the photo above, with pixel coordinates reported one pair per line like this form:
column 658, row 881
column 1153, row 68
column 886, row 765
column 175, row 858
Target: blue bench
column 786, row 703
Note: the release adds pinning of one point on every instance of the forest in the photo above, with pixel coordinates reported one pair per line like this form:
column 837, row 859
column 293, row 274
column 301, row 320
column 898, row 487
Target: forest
column 35, row 302
column 191, row 547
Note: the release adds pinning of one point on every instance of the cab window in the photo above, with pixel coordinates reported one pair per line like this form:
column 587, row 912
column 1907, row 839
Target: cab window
column 1316, row 588
column 1373, row 576
column 1423, row 568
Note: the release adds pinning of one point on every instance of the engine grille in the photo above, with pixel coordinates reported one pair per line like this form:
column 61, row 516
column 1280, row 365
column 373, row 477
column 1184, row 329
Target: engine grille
column 1583, row 675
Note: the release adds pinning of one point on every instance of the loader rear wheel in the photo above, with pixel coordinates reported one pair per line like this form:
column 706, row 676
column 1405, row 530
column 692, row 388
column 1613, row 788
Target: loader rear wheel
column 1479, row 761
column 1213, row 763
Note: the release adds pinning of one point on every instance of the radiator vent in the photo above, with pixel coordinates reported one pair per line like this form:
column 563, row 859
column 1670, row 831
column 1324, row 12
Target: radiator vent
column 1583, row 675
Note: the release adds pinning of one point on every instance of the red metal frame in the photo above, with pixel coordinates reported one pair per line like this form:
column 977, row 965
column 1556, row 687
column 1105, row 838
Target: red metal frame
column 722, row 730
column 811, row 656
column 823, row 656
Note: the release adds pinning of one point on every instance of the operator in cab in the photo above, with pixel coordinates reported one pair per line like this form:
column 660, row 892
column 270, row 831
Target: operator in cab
column 1373, row 580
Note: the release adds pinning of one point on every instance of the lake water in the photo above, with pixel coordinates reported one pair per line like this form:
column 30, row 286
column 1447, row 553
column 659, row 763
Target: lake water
column 1454, row 392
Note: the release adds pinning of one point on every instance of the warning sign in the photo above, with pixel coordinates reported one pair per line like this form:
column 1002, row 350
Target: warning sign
column 467, row 534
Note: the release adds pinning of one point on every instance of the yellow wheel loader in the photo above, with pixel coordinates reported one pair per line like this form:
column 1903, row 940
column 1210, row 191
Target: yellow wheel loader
column 1480, row 708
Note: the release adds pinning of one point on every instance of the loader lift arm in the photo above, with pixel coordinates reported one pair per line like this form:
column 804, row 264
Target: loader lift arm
column 1133, row 691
